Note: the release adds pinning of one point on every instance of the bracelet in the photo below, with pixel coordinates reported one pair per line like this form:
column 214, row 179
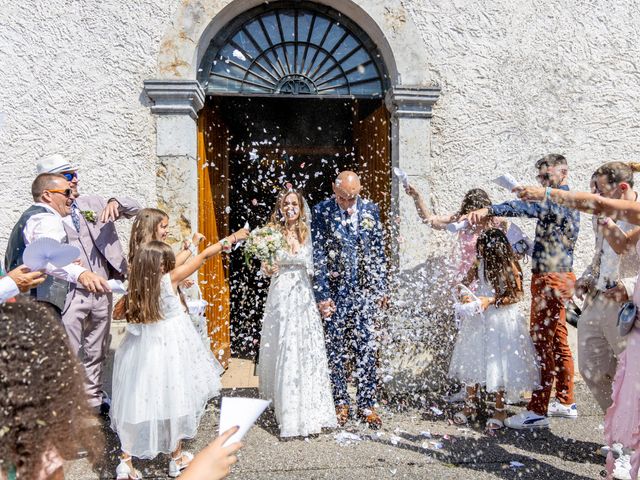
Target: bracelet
column 547, row 193
column 226, row 245
column 603, row 221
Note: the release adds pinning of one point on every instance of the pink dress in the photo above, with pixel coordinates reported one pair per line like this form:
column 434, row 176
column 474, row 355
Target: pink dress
column 466, row 248
column 622, row 420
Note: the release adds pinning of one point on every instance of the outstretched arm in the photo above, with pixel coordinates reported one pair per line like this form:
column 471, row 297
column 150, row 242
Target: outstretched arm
column 437, row 222
column 626, row 210
column 182, row 272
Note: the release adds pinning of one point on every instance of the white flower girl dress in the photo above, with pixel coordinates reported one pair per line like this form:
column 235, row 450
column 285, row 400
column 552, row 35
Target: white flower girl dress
column 163, row 377
column 494, row 349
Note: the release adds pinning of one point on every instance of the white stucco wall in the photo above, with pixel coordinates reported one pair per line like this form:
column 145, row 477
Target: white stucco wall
column 521, row 79
column 71, row 80
column 517, row 81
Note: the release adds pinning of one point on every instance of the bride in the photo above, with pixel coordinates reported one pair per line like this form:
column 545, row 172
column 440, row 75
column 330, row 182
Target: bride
column 293, row 366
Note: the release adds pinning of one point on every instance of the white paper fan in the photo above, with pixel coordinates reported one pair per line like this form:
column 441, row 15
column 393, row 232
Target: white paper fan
column 47, row 250
column 242, row 412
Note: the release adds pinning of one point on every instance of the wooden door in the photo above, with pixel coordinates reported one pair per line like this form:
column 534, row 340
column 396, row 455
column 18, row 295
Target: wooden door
column 373, row 149
column 213, row 190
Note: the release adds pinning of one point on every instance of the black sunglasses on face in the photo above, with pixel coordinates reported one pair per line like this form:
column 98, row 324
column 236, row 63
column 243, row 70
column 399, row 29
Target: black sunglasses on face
column 542, row 177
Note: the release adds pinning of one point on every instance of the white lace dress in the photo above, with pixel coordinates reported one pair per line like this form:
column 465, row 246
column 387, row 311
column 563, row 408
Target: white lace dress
column 494, row 349
column 163, row 377
column 293, row 367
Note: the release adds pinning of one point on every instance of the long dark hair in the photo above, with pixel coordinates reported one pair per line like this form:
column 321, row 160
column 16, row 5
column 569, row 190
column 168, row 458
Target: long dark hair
column 501, row 268
column 152, row 261
column 474, row 199
column 43, row 405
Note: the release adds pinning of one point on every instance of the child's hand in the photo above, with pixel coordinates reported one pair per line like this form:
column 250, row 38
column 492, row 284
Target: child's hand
column 197, row 238
column 485, row 302
column 215, row 461
column 466, row 299
column 411, row 191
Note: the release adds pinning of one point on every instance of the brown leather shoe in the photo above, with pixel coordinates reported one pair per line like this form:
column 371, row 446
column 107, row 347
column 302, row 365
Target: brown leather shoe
column 370, row 417
column 342, row 414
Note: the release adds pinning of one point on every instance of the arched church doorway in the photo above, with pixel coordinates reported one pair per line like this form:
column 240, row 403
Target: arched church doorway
column 295, row 93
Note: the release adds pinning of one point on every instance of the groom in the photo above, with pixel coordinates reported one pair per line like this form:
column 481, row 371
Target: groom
column 350, row 287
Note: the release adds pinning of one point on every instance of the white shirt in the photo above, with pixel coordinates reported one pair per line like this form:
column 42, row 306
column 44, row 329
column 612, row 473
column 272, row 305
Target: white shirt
column 8, row 289
column 49, row 224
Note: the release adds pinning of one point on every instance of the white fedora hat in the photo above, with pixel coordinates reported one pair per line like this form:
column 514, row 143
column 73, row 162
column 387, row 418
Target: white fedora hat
column 54, row 164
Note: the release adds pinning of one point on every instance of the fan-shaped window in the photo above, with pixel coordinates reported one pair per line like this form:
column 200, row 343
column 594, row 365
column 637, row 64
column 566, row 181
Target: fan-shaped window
column 293, row 50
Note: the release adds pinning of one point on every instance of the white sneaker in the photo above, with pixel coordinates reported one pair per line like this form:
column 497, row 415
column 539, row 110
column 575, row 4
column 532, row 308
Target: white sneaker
column 527, row 420
column 557, row 409
column 616, row 449
column 622, row 468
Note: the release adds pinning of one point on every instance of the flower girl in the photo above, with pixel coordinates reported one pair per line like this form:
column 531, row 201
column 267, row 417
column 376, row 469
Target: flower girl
column 163, row 376
column 494, row 347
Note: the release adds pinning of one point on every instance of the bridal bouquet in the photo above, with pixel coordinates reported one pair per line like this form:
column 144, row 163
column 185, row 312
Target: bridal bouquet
column 264, row 244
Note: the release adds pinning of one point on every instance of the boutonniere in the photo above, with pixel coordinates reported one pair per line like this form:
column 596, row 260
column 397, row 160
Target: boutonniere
column 89, row 215
column 367, row 222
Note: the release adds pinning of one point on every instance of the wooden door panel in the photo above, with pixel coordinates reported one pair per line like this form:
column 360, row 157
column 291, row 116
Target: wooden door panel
column 213, row 190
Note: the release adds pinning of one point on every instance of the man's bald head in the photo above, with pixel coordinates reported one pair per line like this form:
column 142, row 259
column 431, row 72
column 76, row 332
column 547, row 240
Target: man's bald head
column 347, row 188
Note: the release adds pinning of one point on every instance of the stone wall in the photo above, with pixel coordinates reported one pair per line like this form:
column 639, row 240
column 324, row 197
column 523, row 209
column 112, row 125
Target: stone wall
column 517, row 82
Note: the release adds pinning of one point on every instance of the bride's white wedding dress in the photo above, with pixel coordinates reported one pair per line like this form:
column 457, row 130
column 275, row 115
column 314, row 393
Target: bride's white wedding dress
column 293, row 366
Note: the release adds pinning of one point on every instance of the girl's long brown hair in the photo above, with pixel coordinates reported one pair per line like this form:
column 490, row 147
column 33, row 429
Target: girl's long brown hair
column 144, row 229
column 150, row 263
column 501, row 268
column 474, row 199
column 278, row 220
column 43, row 404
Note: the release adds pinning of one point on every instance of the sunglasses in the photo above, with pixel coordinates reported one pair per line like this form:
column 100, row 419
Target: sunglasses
column 69, row 175
column 66, row 192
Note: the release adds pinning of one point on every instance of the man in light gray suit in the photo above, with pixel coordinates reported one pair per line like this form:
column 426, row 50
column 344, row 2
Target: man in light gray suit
column 87, row 316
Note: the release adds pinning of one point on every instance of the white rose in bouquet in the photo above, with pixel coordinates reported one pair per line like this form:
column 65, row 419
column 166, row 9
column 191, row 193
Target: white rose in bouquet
column 264, row 244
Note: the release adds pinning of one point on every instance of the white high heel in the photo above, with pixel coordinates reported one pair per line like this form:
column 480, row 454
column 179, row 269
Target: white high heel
column 124, row 471
column 176, row 465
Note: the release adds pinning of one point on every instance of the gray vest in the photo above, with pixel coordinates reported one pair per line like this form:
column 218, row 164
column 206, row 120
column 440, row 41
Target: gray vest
column 53, row 290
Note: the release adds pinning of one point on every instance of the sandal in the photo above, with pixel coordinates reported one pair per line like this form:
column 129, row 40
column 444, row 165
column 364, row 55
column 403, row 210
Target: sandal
column 177, row 465
column 125, row 472
column 495, row 423
column 468, row 413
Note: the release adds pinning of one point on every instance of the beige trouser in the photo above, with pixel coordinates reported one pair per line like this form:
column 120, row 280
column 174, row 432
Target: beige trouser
column 87, row 320
column 599, row 346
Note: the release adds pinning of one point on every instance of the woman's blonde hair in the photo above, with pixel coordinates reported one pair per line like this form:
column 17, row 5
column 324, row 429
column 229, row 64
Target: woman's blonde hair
column 144, row 229
column 279, row 220
column 618, row 172
column 152, row 260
